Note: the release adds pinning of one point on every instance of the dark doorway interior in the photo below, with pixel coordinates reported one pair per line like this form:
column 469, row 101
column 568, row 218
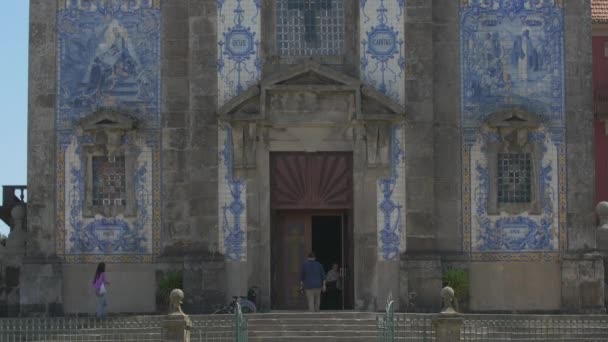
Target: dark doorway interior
column 327, row 239
column 327, row 245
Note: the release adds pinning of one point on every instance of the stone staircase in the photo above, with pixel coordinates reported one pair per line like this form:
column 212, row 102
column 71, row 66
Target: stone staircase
column 303, row 326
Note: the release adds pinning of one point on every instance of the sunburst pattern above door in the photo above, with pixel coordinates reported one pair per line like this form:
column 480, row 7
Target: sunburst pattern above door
column 311, row 180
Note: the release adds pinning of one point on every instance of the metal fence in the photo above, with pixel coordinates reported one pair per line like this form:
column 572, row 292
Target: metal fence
column 534, row 328
column 140, row 328
column 391, row 327
column 404, row 327
column 498, row 328
column 205, row 328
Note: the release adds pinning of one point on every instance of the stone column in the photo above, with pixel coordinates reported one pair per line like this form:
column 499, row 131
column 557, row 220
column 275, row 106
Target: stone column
column 176, row 325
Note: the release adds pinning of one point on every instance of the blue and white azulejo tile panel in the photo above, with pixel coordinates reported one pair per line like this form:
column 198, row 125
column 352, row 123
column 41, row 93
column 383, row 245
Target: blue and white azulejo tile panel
column 390, row 200
column 99, row 235
column 382, row 46
column 239, row 67
column 108, row 58
column 512, row 58
column 383, row 67
column 238, row 57
column 232, row 196
column 515, row 233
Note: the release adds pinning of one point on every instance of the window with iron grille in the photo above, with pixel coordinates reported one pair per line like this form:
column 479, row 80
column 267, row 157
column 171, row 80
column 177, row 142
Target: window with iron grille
column 109, row 188
column 310, row 27
column 514, row 178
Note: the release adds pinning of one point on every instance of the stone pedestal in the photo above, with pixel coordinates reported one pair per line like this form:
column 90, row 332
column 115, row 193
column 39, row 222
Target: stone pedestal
column 422, row 280
column 176, row 328
column 447, row 328
column 41, row 287
column 583, row 284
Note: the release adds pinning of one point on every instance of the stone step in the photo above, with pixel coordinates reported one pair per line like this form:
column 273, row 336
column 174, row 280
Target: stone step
column 311, row 333
column 311, row 339
column 305, row 326
column 321, row 326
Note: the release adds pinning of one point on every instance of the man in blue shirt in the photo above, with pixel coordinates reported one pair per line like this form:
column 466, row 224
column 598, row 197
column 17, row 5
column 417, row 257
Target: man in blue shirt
column 312, row 280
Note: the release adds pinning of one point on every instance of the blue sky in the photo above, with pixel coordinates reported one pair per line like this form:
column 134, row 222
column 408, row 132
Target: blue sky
column 14, row 19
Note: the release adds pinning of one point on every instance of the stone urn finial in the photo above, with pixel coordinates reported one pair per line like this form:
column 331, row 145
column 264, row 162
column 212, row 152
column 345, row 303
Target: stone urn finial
column 602, row 212
column 176, row 299
column 447, row 295
column 602, row 230
column 176, row 325
column 18, row 216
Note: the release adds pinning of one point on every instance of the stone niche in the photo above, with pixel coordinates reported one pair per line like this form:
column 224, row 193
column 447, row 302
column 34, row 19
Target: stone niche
column 109, row 130
column 512, row 129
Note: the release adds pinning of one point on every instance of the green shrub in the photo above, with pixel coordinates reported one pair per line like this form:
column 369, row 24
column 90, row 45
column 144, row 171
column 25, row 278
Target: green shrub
column 458, row 280
column 170, row 280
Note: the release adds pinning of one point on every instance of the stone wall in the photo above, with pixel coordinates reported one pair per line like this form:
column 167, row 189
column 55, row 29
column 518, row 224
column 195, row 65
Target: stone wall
column 202, row 188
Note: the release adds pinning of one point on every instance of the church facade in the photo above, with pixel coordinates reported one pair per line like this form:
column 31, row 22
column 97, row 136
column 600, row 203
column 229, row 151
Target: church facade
column 224, row 140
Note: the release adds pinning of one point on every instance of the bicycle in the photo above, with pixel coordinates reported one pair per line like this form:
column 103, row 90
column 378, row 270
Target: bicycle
column 247, row 306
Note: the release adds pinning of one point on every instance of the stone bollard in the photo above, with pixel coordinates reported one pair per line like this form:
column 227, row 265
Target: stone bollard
column 602, row 230
column 176, row 325
column 447, row 326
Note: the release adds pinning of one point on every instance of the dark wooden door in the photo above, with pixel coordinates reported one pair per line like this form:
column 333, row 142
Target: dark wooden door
column 292, row 242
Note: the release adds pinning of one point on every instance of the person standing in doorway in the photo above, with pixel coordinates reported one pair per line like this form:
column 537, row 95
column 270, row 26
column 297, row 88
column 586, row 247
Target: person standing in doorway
column 312, row 281
column 334, row 287
column 99, row 285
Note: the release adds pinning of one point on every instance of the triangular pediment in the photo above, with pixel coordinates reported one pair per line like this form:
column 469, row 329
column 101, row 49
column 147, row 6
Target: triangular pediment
column 243, row 106
column 514, row 117
column 311, row 77
column 374, row 104
column 309, row 73
column 108, row 119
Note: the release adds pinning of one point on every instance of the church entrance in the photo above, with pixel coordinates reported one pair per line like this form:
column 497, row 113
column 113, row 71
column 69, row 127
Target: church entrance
column 311, row 196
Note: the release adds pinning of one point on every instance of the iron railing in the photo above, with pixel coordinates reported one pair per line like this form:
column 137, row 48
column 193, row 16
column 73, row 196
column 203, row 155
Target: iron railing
column 240, row 324
column 386, row 322
column 123, row 329
column 205, row 328
column 550, row 328
column 414, row 327
column 391, row 327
